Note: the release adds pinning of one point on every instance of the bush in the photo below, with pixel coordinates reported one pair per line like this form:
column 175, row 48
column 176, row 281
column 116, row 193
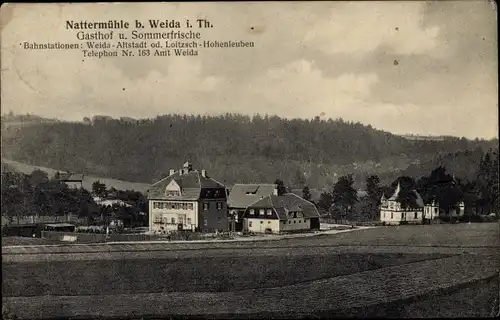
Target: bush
column 184, row 236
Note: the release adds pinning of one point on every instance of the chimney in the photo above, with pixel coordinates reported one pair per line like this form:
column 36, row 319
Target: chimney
column 204, row 173
column 171, row 172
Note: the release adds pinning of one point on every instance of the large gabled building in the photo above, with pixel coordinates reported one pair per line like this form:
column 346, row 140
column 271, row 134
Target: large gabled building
column 243, row 195
column 189, row 200
column 278, row 214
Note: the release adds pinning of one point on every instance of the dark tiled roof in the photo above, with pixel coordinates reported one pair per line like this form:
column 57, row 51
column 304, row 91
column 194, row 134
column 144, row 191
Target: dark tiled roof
column 190, row 183
column 239, row 197
column 287, row 202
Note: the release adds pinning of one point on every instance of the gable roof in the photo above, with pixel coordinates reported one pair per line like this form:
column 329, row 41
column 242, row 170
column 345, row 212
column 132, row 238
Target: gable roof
column 419, row 202
column 287, row 202
column 243, row 195
column 190, row 183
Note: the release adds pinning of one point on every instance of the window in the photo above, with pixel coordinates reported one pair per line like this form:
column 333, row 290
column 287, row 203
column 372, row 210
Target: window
column 190, row 206
column 392, row 215
column 435, row 210
column 404, row 215
column 181, row 220
column 172, row 205
column 269, row 222
column 261, row 212
column 252, row 211
column 205, row 206
column 206, row 222
column 269, row 212
column 250, row 224
column 416, row 215
column 219, row 205
column 384, row 214
column 189, row 221
column 294, row 221
column 300, row 221
column 173, row 220
column 289, row 222
column 184, row 206
column 261, row 222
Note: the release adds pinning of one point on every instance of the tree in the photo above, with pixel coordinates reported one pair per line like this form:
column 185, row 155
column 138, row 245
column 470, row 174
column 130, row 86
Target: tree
column 442, row 188
column 344, row 195
column 306, row 193
column 98, row 188
column 488, row 182
column 325, row 202
column 281, row 187
column 373, row 189
column 38, row 177
column 372, row 201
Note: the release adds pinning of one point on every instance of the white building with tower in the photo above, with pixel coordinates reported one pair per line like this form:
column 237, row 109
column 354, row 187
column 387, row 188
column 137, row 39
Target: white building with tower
column 394, row 213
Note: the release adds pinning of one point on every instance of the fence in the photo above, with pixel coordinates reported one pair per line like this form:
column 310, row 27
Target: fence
column 132, row 237
column 78, row 237
column 74, row 237
column 22, row 220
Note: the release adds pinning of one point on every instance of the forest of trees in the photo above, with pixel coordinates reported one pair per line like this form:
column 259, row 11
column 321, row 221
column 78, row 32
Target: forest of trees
column 233, row 148
column 36, row 195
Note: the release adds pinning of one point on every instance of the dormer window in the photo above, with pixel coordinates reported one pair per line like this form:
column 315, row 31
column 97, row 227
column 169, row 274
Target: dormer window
column 261, row 212
column 269, row 212
column 252, row 212
column 171, row 193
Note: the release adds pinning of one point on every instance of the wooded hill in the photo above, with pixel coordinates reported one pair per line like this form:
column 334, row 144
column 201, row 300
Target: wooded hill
column 234, row 148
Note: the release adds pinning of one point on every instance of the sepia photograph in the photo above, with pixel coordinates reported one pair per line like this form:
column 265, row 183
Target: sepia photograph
column 250, row 160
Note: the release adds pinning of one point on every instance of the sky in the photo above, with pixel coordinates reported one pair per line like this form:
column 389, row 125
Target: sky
column 426, row 68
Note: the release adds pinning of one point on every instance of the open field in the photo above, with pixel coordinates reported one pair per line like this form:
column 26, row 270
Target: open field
column 192, row 274
column 335, row 294
column 476, row 299
column 25, row 241
column 324, row 275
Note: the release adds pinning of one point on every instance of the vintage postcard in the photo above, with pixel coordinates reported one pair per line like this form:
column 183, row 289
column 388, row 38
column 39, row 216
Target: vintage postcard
column 250, row 160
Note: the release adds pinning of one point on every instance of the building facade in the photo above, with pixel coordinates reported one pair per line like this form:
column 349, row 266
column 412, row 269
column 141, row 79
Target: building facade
column 73, row 180
column 433, row 211
column 278, row 214
column 243, row 195
column 393, row 212
column 187, row 200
